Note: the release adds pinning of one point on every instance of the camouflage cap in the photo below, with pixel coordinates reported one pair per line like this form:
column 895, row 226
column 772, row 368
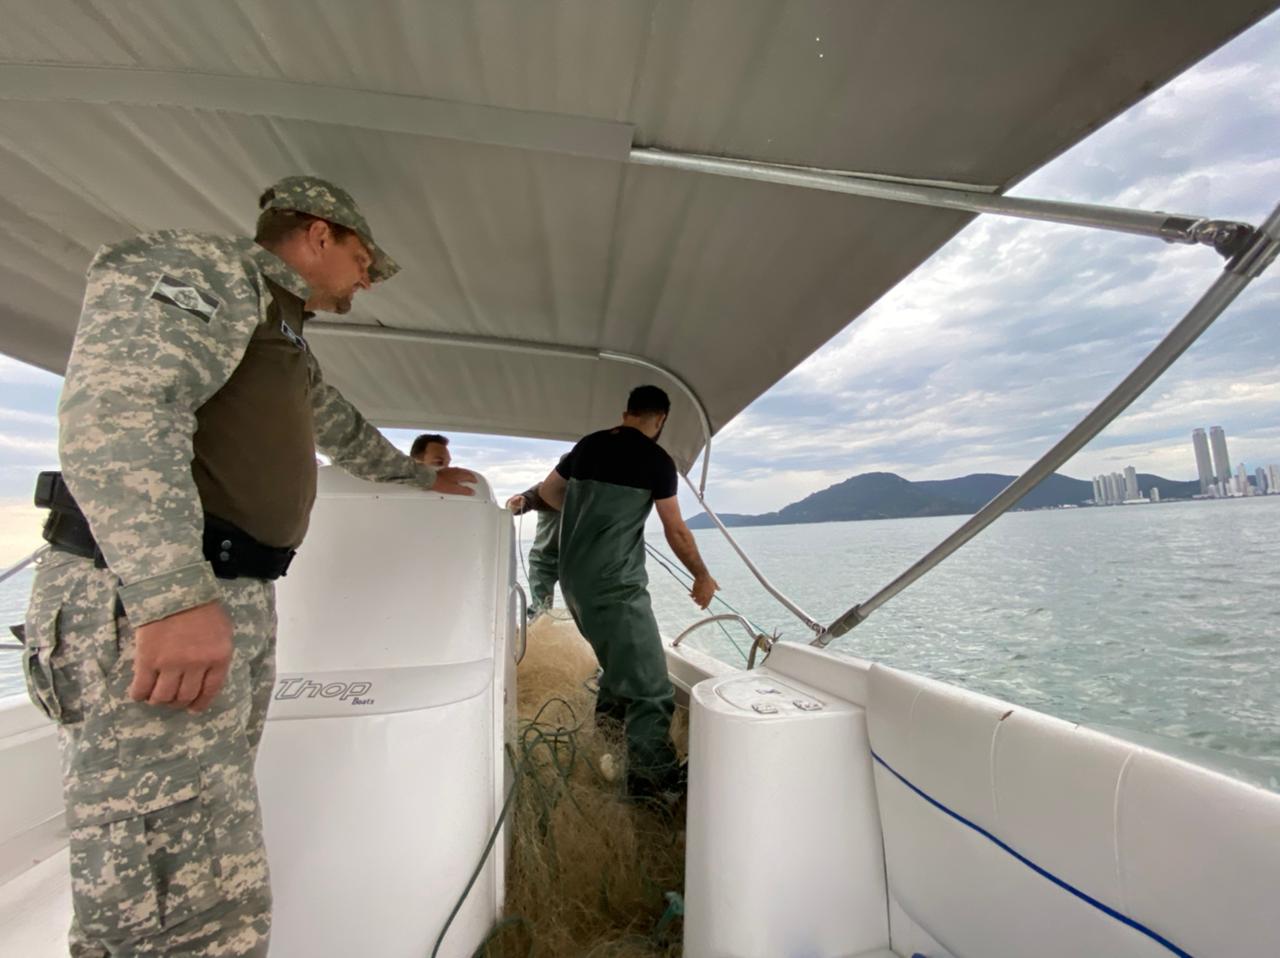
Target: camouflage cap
column 310, row 194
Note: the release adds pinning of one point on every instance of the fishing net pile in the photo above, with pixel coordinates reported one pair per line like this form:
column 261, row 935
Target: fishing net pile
column 590, row 874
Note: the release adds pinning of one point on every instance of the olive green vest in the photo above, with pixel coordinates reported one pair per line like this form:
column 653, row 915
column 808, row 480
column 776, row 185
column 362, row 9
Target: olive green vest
column 255, row 459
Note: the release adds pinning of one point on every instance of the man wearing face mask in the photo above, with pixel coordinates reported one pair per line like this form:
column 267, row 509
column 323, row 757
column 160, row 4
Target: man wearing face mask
column 605, row 488
column 188, row 427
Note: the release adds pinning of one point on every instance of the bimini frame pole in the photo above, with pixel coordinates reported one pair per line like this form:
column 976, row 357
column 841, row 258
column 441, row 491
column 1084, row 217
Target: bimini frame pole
column 361, row 331
column 1247, row 265
column 1227, row 237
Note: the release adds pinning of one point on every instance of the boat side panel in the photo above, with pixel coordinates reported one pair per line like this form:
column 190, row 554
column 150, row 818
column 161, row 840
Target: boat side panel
column 1010, row 833
column 31, row 819
column 387, row 818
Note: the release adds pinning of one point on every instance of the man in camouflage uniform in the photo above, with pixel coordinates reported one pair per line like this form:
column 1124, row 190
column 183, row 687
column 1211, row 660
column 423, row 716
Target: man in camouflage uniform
column 190, row 398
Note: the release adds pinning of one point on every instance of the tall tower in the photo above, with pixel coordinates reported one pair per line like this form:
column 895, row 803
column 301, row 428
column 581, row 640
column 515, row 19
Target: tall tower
column 1204, row 466
column 1221, row 461
column 1131, row 490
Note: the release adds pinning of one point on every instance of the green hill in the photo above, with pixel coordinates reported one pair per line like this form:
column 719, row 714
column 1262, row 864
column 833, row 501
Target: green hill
column 884, row 495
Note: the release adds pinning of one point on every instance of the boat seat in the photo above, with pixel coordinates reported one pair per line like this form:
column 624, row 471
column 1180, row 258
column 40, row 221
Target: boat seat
column 1008, row 833
column 35, row 909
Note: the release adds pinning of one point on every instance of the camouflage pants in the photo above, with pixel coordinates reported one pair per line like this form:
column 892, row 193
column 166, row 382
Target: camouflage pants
column 166, row 843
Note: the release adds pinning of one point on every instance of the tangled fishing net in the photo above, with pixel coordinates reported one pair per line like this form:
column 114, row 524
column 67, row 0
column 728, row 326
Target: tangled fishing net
column 589, row 874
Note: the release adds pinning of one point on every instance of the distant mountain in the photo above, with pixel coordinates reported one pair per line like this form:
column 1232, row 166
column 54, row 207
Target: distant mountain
column 884, row 495
column 977, row 490
column 1169, row 488
column 872, row 495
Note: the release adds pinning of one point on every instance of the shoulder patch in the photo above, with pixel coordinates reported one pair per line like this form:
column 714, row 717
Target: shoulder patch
column 175, row 292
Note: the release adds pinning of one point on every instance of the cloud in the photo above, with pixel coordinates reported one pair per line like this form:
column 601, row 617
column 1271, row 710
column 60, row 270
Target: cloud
column 45, row 446
column 16, row 373
column 22, row 417
column 20, row 525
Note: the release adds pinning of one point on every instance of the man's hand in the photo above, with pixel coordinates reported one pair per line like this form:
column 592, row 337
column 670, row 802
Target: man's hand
column 704, row 587
column 182, row 660
column 516, row 504
column 450, row 480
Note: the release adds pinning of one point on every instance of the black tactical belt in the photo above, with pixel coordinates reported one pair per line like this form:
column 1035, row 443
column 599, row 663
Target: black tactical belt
column 233, row 553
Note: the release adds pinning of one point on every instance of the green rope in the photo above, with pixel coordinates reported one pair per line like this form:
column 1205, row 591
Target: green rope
column 680, row 576
column 669, row 564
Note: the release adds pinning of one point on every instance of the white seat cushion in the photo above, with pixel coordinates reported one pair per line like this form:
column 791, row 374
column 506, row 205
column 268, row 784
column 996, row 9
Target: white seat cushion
column 1009, row 833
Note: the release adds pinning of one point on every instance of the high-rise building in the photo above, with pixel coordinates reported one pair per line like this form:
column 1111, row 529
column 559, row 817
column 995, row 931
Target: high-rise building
column 1273, row 474
column 1260, row 475
column 1131, row 490
column 1117, row 487
column 1204, row 465
column 1097, row 491
column 1242, row 481
column 1221, row 461
column 1155, row 493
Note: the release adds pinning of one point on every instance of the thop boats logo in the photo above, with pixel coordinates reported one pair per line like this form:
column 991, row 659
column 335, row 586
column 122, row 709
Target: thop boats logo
column 301, row 687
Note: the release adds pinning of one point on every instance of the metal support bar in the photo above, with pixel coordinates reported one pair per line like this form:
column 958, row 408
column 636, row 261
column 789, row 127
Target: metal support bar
column 23, row 563
column 360, row 331
column 759, row 641
column 810, row 622
column 1236, row 275
column 523, row 620
column 693, row 397
column 1227, row 237
column 712, row 619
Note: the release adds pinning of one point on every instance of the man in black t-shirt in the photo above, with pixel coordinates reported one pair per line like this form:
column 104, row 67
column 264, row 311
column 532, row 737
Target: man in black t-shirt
column 605, row 488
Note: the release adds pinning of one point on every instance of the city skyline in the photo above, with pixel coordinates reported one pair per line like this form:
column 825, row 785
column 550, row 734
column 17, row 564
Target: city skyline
column 1223, row 483
column 1213, row 471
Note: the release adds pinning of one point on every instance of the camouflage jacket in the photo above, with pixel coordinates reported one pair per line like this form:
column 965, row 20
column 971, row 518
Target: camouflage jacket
column 141, row 365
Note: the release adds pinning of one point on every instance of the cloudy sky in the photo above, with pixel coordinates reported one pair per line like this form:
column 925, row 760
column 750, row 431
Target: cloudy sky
column 990, row 351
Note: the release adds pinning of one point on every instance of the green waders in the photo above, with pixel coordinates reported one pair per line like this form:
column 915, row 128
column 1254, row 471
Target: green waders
column 605, row 585
column 544, row 561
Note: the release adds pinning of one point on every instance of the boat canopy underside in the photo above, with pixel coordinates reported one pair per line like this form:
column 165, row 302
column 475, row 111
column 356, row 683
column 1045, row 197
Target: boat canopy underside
column 489, row 144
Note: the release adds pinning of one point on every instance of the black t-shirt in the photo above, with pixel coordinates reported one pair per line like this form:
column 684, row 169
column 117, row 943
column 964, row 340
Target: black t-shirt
column 623, row 456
